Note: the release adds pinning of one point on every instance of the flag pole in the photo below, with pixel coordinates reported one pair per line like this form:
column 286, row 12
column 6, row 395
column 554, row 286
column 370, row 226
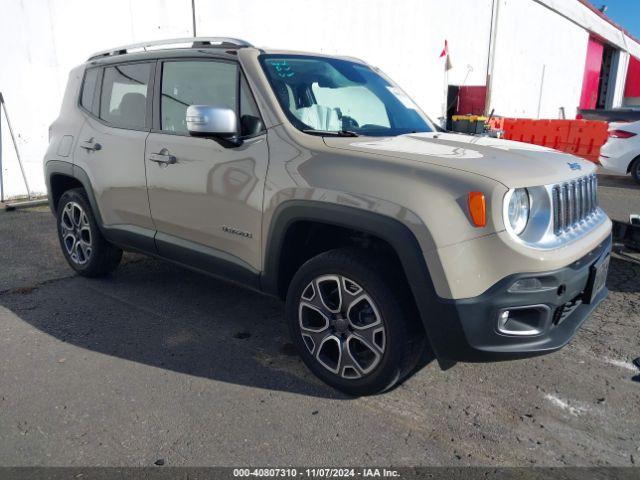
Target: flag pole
column 447, row 67
column 446, row 96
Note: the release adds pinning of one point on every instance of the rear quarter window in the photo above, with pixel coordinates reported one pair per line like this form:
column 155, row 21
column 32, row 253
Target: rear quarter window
column 89, row 89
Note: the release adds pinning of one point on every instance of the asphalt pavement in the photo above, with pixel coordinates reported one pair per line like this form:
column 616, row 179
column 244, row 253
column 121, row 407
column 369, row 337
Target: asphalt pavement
column 157, row 364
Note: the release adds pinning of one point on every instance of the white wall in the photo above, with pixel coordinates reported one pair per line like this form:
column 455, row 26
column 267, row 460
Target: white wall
column 403, row 38
column 49, row 37
column 530, row 37
column 41, row 40
column 552, row 33
column 620, row 79
column 586, row 18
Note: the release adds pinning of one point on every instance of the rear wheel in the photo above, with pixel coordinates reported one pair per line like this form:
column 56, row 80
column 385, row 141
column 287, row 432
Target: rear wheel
column 635, row 170
column 83, row 245
column 351, row 323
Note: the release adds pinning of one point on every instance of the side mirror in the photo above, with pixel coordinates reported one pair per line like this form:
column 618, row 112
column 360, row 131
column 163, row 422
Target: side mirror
column 206, row 120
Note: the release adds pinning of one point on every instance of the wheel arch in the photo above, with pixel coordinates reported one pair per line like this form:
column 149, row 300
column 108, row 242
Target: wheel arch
column 62, row 176
column 390, row 230
column 632, row 163
column 295, row 212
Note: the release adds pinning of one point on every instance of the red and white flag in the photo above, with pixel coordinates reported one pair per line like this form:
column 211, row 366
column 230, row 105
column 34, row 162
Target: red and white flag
column 445, row 53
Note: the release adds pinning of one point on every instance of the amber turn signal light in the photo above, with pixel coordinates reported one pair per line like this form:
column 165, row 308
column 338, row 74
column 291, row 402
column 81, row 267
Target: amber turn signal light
column 478, row 209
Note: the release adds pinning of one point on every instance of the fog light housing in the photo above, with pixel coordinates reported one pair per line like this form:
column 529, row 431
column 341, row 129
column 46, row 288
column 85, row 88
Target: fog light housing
column 532, row 284
column 523, row 321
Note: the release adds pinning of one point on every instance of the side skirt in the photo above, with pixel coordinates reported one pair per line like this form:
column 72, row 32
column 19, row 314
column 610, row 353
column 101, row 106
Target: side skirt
column 208, row 260
column 191, row 255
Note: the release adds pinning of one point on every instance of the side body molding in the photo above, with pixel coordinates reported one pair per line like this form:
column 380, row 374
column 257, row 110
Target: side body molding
column 434, row 312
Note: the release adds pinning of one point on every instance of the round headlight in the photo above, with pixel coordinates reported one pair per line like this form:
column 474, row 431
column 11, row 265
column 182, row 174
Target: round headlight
column 518, row 210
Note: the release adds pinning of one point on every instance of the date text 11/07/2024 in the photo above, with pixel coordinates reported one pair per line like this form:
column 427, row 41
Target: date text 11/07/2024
column 316, row 472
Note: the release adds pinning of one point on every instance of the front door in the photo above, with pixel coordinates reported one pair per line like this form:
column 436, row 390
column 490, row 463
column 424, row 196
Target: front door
column 205, row 197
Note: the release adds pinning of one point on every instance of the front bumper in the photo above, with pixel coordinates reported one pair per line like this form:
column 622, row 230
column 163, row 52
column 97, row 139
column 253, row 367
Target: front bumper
column 468, row 329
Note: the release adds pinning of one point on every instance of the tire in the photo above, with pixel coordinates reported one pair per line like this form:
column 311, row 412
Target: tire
column 635, row 170
column 81, row 241
column 350, row 319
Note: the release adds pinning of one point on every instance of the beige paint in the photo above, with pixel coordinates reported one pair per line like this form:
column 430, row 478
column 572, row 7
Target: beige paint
column 207, row 188
column 422, row 180
column 116, row 172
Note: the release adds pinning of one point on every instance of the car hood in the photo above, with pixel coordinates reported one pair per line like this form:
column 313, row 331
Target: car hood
column 513, row 164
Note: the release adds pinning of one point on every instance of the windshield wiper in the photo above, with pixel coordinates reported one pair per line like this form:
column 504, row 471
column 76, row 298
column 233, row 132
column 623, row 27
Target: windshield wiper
column 331, row 133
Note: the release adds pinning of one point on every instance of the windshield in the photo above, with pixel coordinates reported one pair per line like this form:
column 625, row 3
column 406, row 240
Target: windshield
column 337, row 97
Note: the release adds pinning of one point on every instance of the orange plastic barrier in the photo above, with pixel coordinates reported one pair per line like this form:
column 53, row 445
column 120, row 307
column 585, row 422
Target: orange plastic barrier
column 583, row 138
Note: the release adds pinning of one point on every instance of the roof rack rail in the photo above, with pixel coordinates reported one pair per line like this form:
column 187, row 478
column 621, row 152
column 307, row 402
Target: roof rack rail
column 193, row 42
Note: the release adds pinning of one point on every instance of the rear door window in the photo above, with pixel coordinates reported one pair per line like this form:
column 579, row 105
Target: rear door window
column 123, row 101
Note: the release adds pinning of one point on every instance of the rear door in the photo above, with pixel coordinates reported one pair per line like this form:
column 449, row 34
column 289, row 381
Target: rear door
column 207, row 206
column 111, row 146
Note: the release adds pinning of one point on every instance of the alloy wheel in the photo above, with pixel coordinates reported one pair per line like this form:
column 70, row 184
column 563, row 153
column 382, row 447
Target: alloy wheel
column 76, row 233
column 341, row 326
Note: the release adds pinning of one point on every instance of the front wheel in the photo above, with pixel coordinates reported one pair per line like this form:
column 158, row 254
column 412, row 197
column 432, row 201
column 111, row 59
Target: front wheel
column 351, row 323
column 83, row 245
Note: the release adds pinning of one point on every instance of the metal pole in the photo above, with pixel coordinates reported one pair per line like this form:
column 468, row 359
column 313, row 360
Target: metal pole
column 193, row 16
column 15, row 145
column 1, row 183
column 544, row 67
column 493, row 34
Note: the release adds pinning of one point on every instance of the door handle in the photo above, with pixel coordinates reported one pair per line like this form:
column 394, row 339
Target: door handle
column 163, row 158
column 90, row 145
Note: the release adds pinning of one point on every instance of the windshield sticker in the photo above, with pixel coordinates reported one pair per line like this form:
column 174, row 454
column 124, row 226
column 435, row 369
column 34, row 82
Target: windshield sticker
column 283, row 69
column 402, row 97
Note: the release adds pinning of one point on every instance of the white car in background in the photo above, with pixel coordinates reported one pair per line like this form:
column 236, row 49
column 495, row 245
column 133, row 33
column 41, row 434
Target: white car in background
column 621, row 153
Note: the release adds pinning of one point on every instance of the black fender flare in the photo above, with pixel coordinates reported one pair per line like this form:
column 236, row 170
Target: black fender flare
column 433, row 310
column 57, row 167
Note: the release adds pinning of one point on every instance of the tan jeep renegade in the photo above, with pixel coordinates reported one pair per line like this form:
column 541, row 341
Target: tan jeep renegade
column 317, row 179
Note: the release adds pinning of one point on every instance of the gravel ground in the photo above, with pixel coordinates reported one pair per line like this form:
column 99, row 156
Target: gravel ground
column 159, row 363
column 620, row 196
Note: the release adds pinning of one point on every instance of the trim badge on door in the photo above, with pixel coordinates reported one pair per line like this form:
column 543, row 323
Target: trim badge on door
column 235, row 231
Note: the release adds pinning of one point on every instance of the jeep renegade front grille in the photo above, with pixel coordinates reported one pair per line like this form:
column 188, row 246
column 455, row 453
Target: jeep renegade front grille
column 574, row 202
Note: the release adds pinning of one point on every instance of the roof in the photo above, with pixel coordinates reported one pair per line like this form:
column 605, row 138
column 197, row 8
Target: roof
column 191, row 47
column 190, row 42
column 603, row 16
column 164, row 54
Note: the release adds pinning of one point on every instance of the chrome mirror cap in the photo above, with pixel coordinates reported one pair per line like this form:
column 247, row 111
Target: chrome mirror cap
column 210, row 120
